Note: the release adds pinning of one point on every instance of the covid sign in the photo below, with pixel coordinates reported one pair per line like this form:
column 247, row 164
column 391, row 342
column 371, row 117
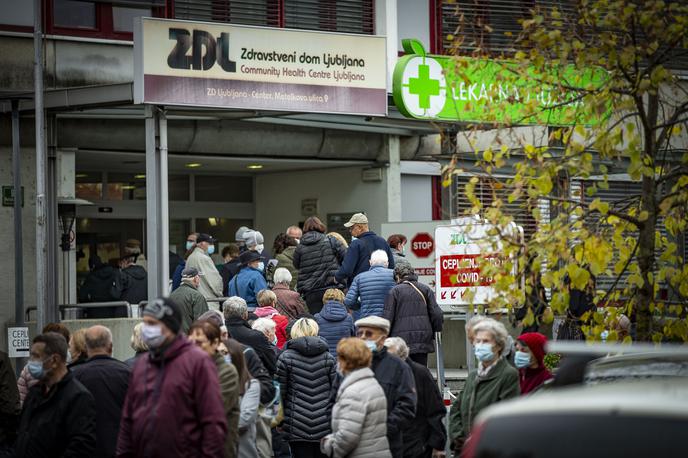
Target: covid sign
column 18, row 342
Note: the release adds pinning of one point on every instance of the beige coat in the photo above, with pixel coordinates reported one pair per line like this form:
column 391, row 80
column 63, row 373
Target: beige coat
column 211, row 280
column 359, row 419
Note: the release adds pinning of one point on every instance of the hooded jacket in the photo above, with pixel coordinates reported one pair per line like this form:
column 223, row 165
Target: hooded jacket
column 317, row 258
column 281, row 323
column 61, row 424
column 306, row 374
column 357, row 258
column 359, row 419
column 211, row 280
column 173, row 406
column 132, row 284
column 531, row 379
column 98, row 285
column 246, row 284
column 372, row 288
column 414, row 316
column 335, row 324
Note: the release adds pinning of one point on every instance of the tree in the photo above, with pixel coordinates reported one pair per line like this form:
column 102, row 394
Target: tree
column 633, row 120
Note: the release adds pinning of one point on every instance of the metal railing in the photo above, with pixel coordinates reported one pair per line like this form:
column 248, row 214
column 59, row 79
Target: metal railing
column 76, row 311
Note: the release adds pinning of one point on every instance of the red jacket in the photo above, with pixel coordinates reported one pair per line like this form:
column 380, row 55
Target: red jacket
column 173, row 406
column 281, row 323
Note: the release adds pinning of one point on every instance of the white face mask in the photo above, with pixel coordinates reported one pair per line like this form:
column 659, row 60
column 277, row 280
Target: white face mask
column 260, row 248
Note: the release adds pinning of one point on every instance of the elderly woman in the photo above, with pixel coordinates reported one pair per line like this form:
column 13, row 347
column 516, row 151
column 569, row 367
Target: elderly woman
column 494, row 380
column 530, row 361
column 137, row 344
column 267, row 300
column 413, row 313
column 288, row 302
column 334, row 321
column 359, row 415
column 306, row 374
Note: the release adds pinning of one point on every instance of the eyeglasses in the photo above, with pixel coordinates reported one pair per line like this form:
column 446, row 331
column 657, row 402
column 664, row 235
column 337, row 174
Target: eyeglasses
column 158, row 309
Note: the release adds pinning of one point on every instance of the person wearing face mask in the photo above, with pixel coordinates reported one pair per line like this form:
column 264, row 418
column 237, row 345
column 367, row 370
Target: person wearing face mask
column 206, row 336
column 266, row 309
column 397, row 242
column 190, row 301
column 211, row 281
column 250, row 279
column 529, row 359
column 174, row 405
column 395, row 378
column 494, row 380
column 306, row 372
column 189, row 248
column 256, row 242
column 59, row 414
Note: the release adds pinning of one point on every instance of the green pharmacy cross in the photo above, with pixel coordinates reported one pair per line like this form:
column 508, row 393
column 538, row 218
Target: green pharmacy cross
column 424, row 86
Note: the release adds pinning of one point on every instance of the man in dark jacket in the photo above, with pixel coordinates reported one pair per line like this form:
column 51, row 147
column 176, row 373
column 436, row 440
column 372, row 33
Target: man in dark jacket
column 107, row 380
column 59, row 416
column 426, row 436
column 132, row 281
column 98, row 285
column 231, row 267
column 190, row 301
column 236, row 316
column 413, row 313
column 364, row 243
column 395, row 378
column 173, row 406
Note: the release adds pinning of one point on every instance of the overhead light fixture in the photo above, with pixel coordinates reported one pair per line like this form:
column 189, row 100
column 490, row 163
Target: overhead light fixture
column 193, row 165
column 81, row 175
column 140, row 176
column 128, row 186
column 254, row 166
column 212, row 221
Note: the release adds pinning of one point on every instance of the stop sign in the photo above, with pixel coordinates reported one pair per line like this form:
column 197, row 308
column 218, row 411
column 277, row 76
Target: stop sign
column 422, row 245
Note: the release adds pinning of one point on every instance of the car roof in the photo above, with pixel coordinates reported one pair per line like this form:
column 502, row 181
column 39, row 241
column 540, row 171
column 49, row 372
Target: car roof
column 665, row 398
column 656, row 364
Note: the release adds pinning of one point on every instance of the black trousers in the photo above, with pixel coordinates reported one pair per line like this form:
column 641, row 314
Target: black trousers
column 302, row 449
column 420, row 358
column 314, row 301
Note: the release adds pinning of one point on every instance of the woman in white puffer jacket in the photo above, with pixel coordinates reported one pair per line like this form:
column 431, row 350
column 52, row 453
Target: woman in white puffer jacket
column 359, row 415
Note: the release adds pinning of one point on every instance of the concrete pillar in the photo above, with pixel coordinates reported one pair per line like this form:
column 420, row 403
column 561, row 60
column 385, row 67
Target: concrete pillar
column 386, row 24
column 66, row 189
column 393, row 179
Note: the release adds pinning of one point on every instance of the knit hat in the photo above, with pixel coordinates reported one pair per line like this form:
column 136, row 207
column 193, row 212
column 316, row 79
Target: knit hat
column 239, row 235
column 373, row 321
column 253, row 238
column 535, row 343
column 165, row 310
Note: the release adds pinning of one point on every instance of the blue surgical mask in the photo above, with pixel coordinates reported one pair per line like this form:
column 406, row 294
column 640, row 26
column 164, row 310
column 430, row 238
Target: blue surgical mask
column 604, row 335
column 189, row 245
column 211, row 249
column 522, row 359
column 353, row 238
column 152, row 335
column 483, row 351
column 274, row 341
column 372, row 345
column 261, row 266
column 36, row 369
column 228, row 358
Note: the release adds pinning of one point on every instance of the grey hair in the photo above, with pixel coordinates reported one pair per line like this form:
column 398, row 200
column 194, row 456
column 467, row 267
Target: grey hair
column 397, row 346
column 475, row 319
column 263, row 325
column 497, row 330
column 235, row 307
column 137, row 343
column 282, row 275
column 214, row 316
column 403, row 270
column 379, row 258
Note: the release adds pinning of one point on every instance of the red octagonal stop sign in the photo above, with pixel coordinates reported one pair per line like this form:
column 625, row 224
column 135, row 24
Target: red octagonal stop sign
column 422, row 244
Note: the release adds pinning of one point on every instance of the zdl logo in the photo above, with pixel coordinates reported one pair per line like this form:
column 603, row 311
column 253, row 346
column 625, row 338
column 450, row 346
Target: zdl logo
column 205, row 51
column 420, row 89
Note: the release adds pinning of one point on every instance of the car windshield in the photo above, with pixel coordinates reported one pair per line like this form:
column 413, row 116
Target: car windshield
column 611, row 370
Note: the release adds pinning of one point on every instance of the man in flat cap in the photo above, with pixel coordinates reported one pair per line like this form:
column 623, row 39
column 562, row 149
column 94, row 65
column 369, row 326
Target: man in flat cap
column 191, row 303
column 395, row 378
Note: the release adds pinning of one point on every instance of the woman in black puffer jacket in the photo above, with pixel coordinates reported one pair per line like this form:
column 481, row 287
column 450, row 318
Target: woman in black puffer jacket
column 317, row 258
column 306, row 372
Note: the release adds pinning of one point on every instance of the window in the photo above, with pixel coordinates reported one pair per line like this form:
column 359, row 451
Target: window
column 89, row 185
column 210, row 188
column 99, row 18
column 16, row 15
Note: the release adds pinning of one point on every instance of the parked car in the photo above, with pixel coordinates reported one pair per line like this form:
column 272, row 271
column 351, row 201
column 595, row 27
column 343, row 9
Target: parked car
column 613, row 420
column 637, row 366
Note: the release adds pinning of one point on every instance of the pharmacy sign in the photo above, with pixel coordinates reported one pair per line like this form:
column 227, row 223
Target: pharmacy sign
column 450, row 88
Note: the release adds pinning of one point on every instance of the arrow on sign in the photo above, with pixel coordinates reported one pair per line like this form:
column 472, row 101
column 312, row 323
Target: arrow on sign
column 453, row 294
column 463, row 293
column 444, row 295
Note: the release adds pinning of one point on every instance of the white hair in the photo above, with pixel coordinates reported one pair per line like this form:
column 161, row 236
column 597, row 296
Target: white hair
column 264, row 325
column 379, row 258
column 475, row 319
column 282, row 275
column 235, row 307
column 498, row 331
column 397, row 346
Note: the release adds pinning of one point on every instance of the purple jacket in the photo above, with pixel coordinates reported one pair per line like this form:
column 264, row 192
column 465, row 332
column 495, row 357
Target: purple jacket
column 173, row 406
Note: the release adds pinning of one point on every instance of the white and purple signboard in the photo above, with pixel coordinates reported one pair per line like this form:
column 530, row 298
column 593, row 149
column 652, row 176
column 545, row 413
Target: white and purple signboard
column 232, row 66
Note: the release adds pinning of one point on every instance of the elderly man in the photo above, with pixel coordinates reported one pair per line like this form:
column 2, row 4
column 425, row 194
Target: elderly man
column 426, row 435
column 173, row 406
column 236, row 318
column 395, row 378
column 256, row 242
column 294, row 232
column 211, row 281
column 59, row 416
column 190, row 301
column 364, row 242
column 368, row 291
column 250, row 278
column 107, row 379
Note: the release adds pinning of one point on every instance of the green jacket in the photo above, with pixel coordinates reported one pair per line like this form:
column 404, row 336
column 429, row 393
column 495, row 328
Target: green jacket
column 499, row 384
column 229, row 386
column 192, row 303
column 286, row 259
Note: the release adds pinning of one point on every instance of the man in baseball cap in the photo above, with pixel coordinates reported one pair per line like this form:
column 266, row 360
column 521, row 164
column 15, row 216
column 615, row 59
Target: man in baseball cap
column 395, row 378
column 210, row 285
column 363, row 243
column 191, row 303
